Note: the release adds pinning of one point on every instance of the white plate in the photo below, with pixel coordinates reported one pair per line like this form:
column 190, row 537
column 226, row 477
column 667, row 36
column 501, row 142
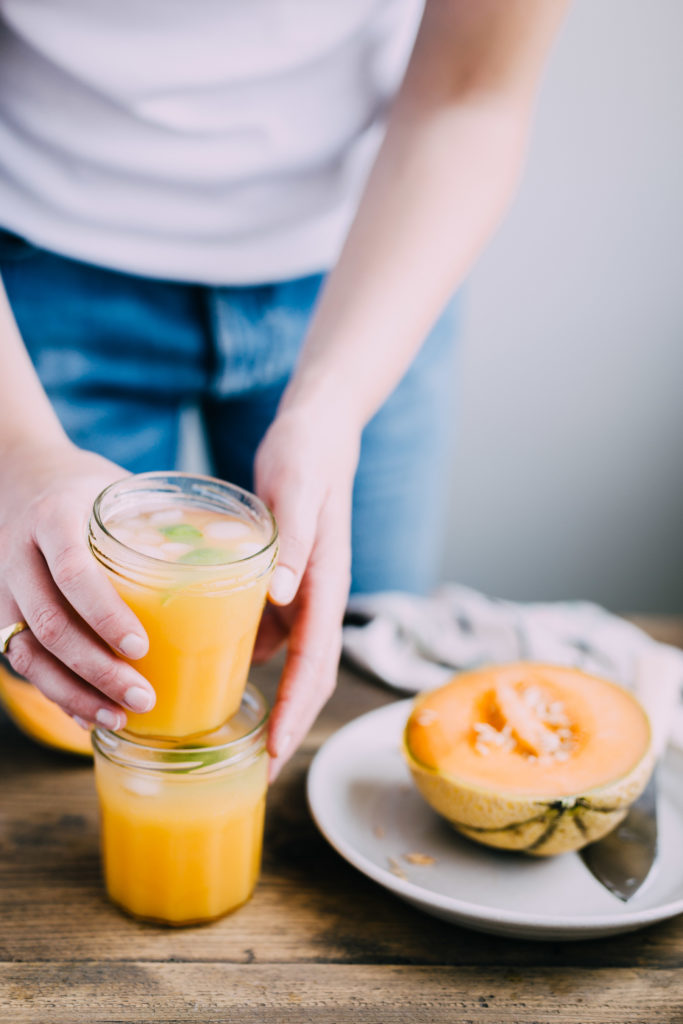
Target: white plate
column 362, row 798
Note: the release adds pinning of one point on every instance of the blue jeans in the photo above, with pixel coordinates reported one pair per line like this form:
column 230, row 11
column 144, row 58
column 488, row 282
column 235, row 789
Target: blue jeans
column 121, row 356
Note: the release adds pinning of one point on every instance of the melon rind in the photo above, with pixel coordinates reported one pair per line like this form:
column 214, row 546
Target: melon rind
column 541, row 826
column 40, row 718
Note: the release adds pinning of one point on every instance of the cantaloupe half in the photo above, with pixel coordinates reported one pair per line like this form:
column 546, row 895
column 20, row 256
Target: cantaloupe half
column 530, row 757
column 40, row 718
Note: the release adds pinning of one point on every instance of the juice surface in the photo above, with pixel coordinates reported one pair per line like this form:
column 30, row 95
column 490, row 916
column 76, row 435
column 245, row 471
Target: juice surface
column 186, row 534
column 183, row 849
column 201, row 624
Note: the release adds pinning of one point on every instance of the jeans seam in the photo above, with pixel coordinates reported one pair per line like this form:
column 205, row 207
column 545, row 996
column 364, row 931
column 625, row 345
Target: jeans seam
column 221, row 352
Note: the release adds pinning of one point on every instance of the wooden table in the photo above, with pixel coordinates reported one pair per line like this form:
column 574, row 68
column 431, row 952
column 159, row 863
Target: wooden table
column 319, row 942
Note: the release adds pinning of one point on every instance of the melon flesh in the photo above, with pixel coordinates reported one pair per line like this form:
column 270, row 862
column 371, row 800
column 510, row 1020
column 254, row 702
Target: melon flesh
column 40, row 718
column 530, row 757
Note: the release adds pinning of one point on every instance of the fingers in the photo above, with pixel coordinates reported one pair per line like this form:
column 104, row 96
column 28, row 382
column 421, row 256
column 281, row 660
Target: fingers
column 297, row 470
column 271, row 635
column 85, row 587
column 310, row 672
column 308, row 682
column 296, row 516
column 64, row 636
column 49, row 578
column 33, row 662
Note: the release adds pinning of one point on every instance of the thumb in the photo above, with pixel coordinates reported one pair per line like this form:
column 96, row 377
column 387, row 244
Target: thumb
column 296, row 516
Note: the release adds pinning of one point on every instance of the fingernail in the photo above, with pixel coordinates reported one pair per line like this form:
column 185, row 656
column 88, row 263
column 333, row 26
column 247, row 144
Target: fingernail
column 109, row 719
column 82, row 722
column 138, row 699
column 283, row 585
column 133, row 646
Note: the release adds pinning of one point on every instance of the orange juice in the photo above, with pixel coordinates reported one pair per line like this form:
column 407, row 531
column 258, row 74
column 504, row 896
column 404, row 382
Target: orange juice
column 182, row 826
column 192, row 557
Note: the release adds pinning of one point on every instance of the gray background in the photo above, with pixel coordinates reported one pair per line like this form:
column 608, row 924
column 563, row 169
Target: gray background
column 567, row 477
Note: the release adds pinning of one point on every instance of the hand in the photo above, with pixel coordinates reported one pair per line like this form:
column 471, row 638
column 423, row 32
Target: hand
column 50, row 580
column 304, row 471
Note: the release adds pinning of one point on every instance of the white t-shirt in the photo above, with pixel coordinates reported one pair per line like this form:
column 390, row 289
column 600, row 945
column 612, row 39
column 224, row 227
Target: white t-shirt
column 216, row 141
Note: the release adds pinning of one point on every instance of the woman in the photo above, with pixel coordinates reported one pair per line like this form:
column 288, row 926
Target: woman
column 175, row 180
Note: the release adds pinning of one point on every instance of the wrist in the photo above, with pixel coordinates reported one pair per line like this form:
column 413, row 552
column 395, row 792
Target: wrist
column 27, row 455
column 34, row 442
column 321, row 396
column 33, row 432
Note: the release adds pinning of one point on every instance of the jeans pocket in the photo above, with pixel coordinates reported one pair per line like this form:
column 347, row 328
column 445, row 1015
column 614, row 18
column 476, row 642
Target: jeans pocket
column 14, row 248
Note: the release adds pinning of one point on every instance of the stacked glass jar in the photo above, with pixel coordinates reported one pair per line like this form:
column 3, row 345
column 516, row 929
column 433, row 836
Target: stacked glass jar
column 182, row 788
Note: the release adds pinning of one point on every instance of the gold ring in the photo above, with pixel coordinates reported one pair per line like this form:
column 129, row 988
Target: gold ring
column 8, row 632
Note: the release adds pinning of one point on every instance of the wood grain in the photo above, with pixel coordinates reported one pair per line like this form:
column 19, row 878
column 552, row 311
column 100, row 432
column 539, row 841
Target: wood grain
column 318, row 942
column 93, row 994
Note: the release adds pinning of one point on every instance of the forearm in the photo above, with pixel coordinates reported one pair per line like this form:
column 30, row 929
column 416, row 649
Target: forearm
column 442, row 181
column 26, row 416
column 424, row 219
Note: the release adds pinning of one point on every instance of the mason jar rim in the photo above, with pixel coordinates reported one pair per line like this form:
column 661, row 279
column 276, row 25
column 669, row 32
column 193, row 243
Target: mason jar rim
column 202, row 479
column 182, row 756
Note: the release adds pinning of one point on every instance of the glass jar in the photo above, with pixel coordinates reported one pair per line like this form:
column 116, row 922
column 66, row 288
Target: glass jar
column 201, row 611
column 182, row 823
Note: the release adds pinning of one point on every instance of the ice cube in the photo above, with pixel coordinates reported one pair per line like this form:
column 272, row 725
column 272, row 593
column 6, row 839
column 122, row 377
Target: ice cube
column 142, row 785
column 150, row 537
column 227, row 529
column 166, row 517
column 151, row 550
column 124, row 536
column 248, row 547
column 174, row 549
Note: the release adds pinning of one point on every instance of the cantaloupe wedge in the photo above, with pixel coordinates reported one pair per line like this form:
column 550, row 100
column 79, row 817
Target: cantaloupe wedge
column 530, row 757
column 40, row 718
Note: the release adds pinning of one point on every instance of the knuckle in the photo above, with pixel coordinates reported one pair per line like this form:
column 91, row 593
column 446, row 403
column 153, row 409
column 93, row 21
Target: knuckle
column 293, row 551
column 72, row 704
column 105, row 677
column 47, row 506
column 69, row 696
column 13, row 553
column 68, row 567
column 296, row 542
column 20, row 658
column 106, row 624
column 289, row 489
column 49, row 625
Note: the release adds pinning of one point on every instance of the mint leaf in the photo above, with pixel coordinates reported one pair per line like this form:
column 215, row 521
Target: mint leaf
column 206, row 556
column 181, row 531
